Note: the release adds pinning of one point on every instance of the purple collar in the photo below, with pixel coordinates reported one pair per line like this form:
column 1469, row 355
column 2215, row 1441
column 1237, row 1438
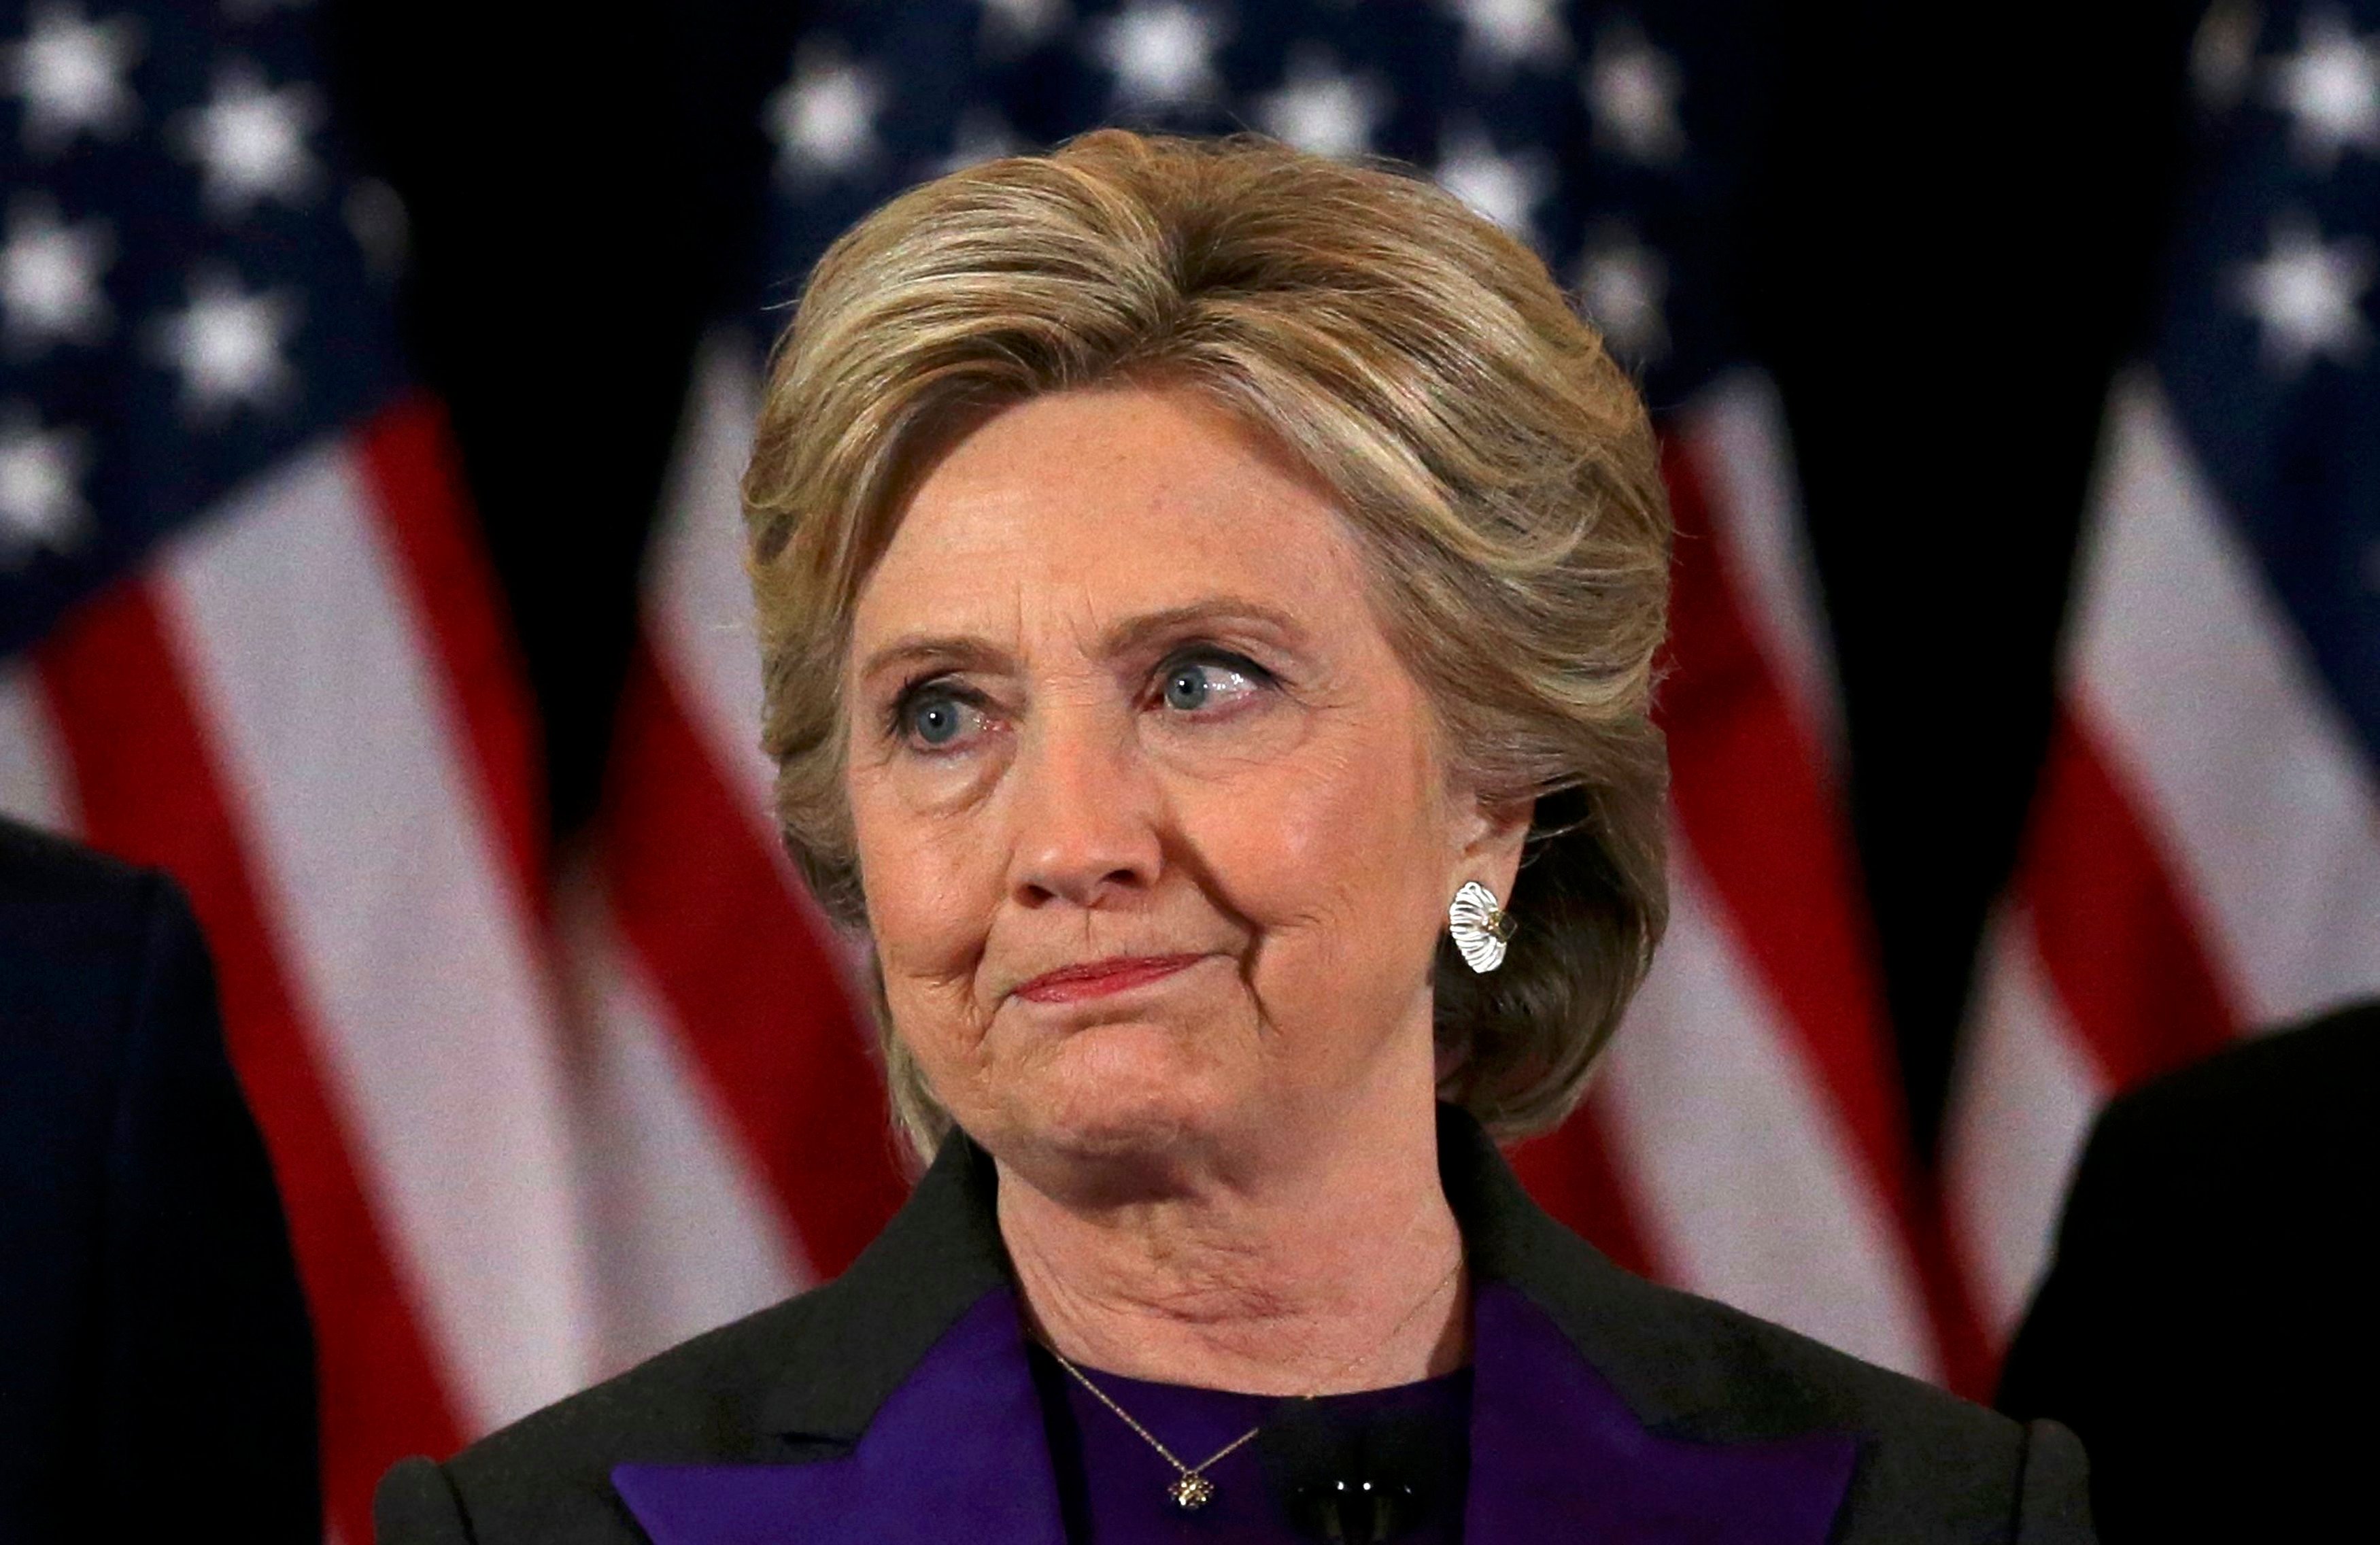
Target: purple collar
column 958, row 1452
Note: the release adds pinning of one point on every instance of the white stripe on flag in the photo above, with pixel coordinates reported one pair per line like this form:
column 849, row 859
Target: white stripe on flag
column 699, row 614
column 1755, row 1196
column 685, row 1236
column 698, row 608
column 34, row 785
column 1736, row 435
column 2022, row 1106
column 379, row 875
column 2254, row 785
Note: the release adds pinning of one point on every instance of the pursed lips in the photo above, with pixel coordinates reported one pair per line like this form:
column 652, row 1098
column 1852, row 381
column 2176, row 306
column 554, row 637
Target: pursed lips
column 1097, row 978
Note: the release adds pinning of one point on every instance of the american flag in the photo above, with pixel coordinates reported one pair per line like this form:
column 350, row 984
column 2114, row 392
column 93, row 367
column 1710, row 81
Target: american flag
column 2204, row 855
column 246, row 634
column 527, row 1137
column 1746, row 1138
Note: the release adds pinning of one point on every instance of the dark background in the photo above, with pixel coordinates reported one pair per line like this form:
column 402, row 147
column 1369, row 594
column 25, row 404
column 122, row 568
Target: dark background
column 1955, row 242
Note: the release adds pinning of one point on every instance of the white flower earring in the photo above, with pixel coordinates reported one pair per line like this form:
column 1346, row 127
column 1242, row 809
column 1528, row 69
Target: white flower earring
column 1481, row 929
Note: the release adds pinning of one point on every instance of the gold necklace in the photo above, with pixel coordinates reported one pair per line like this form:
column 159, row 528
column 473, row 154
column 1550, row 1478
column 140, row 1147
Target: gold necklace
column 1192, row 1491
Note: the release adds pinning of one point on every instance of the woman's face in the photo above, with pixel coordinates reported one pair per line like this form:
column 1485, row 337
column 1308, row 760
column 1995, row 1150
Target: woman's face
column 1122, row 711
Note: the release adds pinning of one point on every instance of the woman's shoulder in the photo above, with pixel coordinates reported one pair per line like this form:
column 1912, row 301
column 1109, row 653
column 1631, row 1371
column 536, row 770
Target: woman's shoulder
column 1930, row 1465
column 1739, row 1376
column 1926, row 1466
column 548, row 1475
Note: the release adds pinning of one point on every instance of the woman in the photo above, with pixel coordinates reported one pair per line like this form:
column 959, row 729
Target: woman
column 1210, row 596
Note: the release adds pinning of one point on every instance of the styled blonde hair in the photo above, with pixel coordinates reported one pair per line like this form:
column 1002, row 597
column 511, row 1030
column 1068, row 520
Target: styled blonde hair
column 1495, row 464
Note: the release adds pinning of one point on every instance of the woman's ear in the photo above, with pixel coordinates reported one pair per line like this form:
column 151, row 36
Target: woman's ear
column 1490, row 834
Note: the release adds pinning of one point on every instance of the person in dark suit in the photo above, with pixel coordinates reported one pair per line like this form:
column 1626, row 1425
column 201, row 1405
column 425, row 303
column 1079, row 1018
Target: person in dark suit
column 2206, row 1325
column 155, row 1360
column 1198, row 582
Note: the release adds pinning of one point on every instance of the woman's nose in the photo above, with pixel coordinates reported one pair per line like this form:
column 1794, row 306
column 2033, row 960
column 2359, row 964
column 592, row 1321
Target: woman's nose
column 1084, row 810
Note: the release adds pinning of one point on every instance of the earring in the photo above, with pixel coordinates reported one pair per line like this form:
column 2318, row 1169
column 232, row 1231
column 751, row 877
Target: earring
column 1481, row 929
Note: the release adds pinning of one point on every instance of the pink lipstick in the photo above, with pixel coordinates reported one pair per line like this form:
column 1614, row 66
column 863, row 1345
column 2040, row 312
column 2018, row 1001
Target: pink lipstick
column 1097, row 978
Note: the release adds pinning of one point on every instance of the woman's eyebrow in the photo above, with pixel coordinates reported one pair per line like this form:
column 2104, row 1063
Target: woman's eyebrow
column 1136, row 632
column 962, row 652
column 956, row 651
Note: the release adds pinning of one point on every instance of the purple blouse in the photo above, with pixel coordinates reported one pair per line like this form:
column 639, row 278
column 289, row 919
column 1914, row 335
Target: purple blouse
column 963, row 1450
column 1410, row 1443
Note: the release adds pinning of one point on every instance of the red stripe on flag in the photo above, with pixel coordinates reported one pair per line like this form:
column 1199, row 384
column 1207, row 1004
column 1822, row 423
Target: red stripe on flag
column 1570, row 1172
column 2115, row 937
column 745, row 976
column 150, row 791
column 422, row 508
column 1745, row 784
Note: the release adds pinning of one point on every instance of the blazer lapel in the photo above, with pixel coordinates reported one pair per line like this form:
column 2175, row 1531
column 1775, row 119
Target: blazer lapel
column 956, row 1451
column 1557, row 1455
column 1599, row 1411
column 907, row 1400
column 905, row 1397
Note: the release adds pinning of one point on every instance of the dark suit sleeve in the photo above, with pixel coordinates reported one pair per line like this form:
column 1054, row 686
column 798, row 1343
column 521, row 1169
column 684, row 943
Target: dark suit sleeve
column 2096, row 1333
column 2208, row 1306
column 206, row 1359
column 416, row 1505
column 2054, row 1493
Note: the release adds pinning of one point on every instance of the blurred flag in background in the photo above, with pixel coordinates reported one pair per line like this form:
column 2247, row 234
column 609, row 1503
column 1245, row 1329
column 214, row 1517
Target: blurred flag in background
column 742, row 1148
column 249, row 637
column 1746, row 1138
column 2204, row 858
column 536, row 1121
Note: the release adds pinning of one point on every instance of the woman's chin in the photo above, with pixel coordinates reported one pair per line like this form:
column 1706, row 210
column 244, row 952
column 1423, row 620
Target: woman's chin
column 1132, row 1100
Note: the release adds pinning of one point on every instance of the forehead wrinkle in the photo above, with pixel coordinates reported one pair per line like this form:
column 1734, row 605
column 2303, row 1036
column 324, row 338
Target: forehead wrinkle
column 1077, row 621
column 959, row 647
column 984, row 514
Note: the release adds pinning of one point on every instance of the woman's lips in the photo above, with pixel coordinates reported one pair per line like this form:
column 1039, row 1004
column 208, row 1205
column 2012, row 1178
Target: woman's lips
column 1099, row 977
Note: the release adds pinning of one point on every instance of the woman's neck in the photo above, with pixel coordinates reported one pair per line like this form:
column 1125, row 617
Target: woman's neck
column 1337, row 1272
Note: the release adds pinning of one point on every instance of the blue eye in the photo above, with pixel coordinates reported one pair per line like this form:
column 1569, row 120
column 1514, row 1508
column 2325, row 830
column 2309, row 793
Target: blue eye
column 933, row 717
column 1191, row 685
column 935, row 721
column 1187, row 687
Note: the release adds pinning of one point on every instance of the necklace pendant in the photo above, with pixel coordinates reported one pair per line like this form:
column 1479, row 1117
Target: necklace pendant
column 1192, row 1493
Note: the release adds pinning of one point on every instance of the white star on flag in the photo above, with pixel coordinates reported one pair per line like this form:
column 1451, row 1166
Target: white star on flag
column 824, row 119
column 2305, row 294
column 249, row 141
column 982, row 135
column 1632, row 92
column 2330, row 87
column 50, row 277
column 1010, row 24
column 1499, row 35
column 70, row 73
column 1161, row 53
column 228, row 345
column 1322, row 108
column 1506, row 189
column 41, row 494
column 1622, row 287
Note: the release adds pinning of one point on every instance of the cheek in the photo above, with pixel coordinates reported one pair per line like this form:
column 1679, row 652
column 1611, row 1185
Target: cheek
column 928, row 935
column 1340, row 876
column 928, row 909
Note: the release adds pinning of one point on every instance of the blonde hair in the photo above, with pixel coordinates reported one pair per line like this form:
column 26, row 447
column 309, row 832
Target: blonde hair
column 1495, row 464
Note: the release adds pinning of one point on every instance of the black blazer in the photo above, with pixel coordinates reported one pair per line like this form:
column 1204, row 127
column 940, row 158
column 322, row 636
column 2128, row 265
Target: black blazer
column 800, row 1384
column 2207, row 1325
column 155, row 1364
